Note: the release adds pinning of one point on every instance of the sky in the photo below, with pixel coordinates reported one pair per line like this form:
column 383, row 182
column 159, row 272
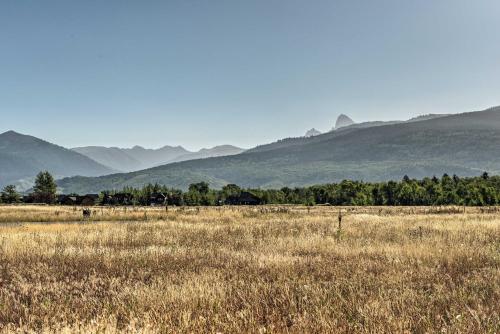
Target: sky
column 204, row 73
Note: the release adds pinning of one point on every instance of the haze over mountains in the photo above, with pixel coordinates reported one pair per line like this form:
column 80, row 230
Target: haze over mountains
column 137, row 157
column 22, row 157
column 463, row 144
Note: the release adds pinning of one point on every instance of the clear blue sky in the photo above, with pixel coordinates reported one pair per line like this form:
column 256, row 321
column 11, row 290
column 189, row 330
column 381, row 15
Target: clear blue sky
column 201, row 73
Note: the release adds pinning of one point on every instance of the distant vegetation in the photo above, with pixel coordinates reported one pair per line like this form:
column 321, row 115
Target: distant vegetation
column 447, row 190
column 44, row 191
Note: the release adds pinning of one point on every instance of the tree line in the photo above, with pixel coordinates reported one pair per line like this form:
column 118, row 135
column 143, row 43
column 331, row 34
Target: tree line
column 44, row 190
column 447, row 190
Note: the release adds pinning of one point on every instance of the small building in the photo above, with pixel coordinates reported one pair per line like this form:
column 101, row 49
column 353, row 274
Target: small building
column 88, row 199
column 157, row 199
column 244, row 198
column 107, row 199
column 67, row 199
column 28, row 199
column 118, row 199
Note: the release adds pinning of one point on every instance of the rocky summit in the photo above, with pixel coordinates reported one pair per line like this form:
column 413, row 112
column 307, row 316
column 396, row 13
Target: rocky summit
column 342, row 121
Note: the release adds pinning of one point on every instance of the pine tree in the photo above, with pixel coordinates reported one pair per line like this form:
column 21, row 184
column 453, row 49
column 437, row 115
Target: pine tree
column 9, row 194
column 45, row 188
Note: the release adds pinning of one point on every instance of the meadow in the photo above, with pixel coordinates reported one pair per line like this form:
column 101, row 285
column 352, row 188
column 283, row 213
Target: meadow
column 266, row 269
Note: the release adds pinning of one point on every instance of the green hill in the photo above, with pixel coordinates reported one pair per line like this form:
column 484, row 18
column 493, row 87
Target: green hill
column 463, row 144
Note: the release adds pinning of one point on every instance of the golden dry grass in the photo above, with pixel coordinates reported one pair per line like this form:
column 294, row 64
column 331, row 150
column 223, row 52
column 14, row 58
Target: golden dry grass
column 259, row 270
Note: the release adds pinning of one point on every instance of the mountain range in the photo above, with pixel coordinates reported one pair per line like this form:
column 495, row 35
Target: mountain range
column 344, row 122
column 22, row 157
column 463, row 144
column 137, row 157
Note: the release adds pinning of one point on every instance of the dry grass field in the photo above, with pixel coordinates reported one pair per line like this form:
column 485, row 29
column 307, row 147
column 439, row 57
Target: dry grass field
column 257, row 270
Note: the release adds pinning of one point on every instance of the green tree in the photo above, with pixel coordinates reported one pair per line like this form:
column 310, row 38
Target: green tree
column 488, row 194
column 9, row 194
column 406, row 194
column 231, row 190
column 45, row 188
column 479, row 190
column 201, row 187
column 199, row 194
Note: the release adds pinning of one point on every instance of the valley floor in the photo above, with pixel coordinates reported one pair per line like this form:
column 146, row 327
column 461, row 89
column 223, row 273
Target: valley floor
column 250, row 269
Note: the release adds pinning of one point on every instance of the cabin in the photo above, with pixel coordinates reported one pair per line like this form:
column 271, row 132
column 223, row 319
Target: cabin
column 157, row 199
column 85, row 200
column 107, row 199
column 67, row 199
column 244, row 198
column 42, row 198
column 118, row 199
column 88, row 199
column 29, row 199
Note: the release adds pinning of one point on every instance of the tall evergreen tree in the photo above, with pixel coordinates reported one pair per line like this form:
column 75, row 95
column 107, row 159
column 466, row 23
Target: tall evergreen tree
column 45, row 188
column 10, row 194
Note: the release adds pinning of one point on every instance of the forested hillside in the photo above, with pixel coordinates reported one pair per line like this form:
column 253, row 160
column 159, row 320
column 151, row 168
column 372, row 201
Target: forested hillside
column 463, row 144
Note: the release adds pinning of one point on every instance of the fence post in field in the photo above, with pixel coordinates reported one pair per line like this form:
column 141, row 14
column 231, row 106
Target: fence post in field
column 340, row 219
column 339, row 228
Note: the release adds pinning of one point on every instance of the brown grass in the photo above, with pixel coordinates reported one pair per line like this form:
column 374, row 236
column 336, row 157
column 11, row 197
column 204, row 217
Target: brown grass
column 260, row 270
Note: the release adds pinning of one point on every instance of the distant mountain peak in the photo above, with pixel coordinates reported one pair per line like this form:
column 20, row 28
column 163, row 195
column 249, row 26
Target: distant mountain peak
column 138, row 157
column 312, row 132
column 10, row 132
column 216, row 151
column 23, row 156
column 15, row 138
column 168, row 147
column 343, row 120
